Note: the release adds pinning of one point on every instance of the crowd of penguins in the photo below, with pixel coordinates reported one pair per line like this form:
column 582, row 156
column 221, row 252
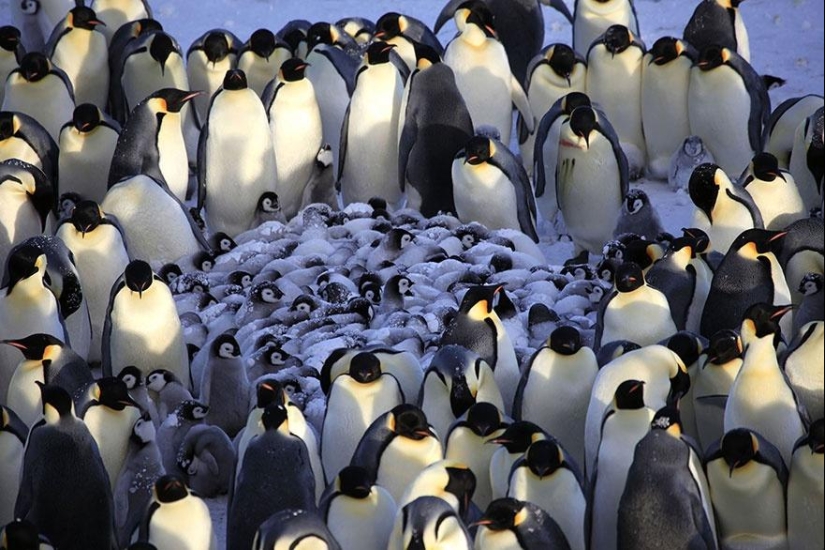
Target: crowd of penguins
column 303, row 271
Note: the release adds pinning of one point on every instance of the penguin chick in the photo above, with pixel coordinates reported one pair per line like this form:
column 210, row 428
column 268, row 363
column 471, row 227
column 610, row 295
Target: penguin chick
column 169, row 392
column 684, row 161
column 224, row 386
column 639, row 216
column 207, row 457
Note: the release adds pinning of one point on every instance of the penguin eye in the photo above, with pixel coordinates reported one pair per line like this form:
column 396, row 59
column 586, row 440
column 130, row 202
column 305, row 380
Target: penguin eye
column 637, row 205
column 246, row 281
column 206, row 266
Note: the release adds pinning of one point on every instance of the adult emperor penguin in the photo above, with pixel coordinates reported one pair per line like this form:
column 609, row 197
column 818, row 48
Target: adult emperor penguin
column 592, row 17
column 177, row 518
column 275, row 475
column 513, row 443
column 39, row 89
column 589, row 152
column 142, row 327
column 369, row 135
column 665, row 466
column 404, row 32
column 806, row 163
column 718, row 23
column 722, row 210
column 748, row 274
column 748, row 482
column 614, row 81
column 64, row 489
column 87, row 143
column 295, row 122
column 665, row 79
column 730, row 123
column 207, row 60
column 549, row 478
column 354, row 401
column 261, row 57
column 13, row 434
column 485, row 168
column 478, row 327
column 120, row 41
column 24, row 138
column 429, row 523
column 434, row 125
column 449, row 480
column 236, row 158
column 801, row 253
column 552, row 74
column 805, row 490
column 28, row 197
column 79, row 48
column 396, row 448
column 555, row 386
column 224, row 385
column 774, row 192
column 785, row 119
column 152, row 142
column 403, row 365
column 296, row 528
column 483, row 74
column 115, row 13
column 761, row 398
column 354, row 499
column 713, row 383
column 11, row 52
column 511, row 523
column 798, row 363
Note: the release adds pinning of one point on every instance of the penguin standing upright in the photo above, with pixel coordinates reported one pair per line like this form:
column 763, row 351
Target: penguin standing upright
column 806, row 164
column 429, row 523
column 11, row 52
column 434, row 125
column 236, row 159
column 207, row 60
column 685, row 159
column 785, row 119
column 80, row 49
column 13, row 434
column 295, row 123
column 115, row 13
column 261, row 57
column 719, row 23
column 514, row 442
column 87, row 144
column 798, row 363
column 614, row 81
column 665, row 79
column 511, row 523
column 177, row 518
column 713, row 383
column 592, row 17
column 27, row 198
column 774, row 192
column 805, row 490
column 639, row 217
column 728, row 104
column 224, row 385
column 24, row 138
column 369, row 135
column 404, row 32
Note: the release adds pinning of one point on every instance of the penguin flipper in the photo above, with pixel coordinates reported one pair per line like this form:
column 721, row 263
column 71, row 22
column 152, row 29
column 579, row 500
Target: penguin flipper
column 342, row 145
column 561, row 7
column 106, row 352
column 405, row 145
column 760, row 111
column 446, row 13
column 743, row 197
column 621, row 158
column 519, row 98
column 525, row 201
column 368, row 452
column 202, row 176
column 539, row 176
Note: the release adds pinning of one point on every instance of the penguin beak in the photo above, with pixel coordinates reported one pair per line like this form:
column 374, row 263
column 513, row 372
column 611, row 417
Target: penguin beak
column 481, row 522
column 95, row 22
column 388, row 47
column 491, row 30
column 380, row 35
column 567, row 78
column 778, row 235
column 778, row 175
column 471, row 159
column 499, row 441
column 14, row 344
column 422, row 433
column 732, row 468
column 782, row 311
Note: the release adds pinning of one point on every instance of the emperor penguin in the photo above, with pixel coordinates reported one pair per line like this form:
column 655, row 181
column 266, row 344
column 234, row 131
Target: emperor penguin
column 513, row 443
column 155, row 223
column 549, row 478
column 13, row 434
column 354, row 401
column 511, row 523
column 429, row 523
column 207, row 60
column 800, row 253
column 593, row 17
column 685, row 159
column 798, row 363
column 142, row 327
column 728, row 105
column 397, row 447
column 208, row 458
column 748, row 483
column 806, row 163
column 87, row 144
column 748, row 274
column 449, row 480
column 589, row 152
column 41, row 90
column 455, row 380
column 761, row 398
column 722, row 210
column 485, row 168
column 296, row 528
column 774, row 192
column 478, row 327
column 11, row 52
column 24, row 138
column 81, row 50
column 434, row 125
column 138, row 391
column 261, row 57
column 115, row 13
column 36, row 20
column 785, row 119
column 64, row 488
column 110, row 417
column 404, row 31
column 295, row 123
column 805, row 490
column 614, row 81
column 177, row 518
column 552, row 74
column 665, row 466
column 718, row 23
column 665, row 79
column 369, row 135
column 360, row 29
column 236, row 157
column 224, row 385
column 275, row 475
column 483, row 74
column 554, row 389
column 152, row 142
column 173, row 429
column 27, row 198
column 353, row 499
column 98, row 245
column 122, row 38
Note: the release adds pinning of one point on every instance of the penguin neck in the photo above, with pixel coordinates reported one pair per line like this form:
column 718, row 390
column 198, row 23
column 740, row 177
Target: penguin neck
column 760, row 357
column 473, row 36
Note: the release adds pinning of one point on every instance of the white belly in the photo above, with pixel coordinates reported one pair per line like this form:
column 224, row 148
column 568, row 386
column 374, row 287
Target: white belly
column 183, row 525
column 172, row 158
column 117, row 12
column 373, row 518
column 111, row 430
column 806, row 487
column 24, row 394
column 466, row 447
column 488, row 539
column 664, row 111
column 16, row 148
column 47, row 101
column 84, row 56
column 712, row 387
column 593, row 17
column 142, row 77
column 11, row 463
column 402, row 461
column 18, row 218
column 642, row 316
column 85, row 160
column 260, row 71
column 779, row 202
column 743, row 47
column 473, row 188
column 333, row 98
column 781, row 140
column 804, row 374
column 500, row 465
column 205, row 76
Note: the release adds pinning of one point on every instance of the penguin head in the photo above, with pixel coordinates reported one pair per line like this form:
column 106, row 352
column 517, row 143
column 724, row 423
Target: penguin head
column 269, row 203
column 461, row 482
column 322, row 33
column 390, row 25
column 170, row 488
column 170, row 272
column 811, row 284
column 561, row 59
column 161, row 48
column 266, row 292
column 86, row 217
column 262, row 43
column 226, row 347
column 504, row 514
column 753, row 242
column 191, row 410
column 274, row 417
column 9, row 38
column 483, row 419
column 565, row 340
column 142, row 26
column 34, row 66
column 378, row 52
column 112, row 393
column 478, row 150
column 425, row 56
column 686, row 345
column 204, row 261
column 815, row 439
column 222, row 243
column 241, row 278
column 9, row 125
column 713, row 57
column 518, row 436
column 216, row 46
column 84, row 18
column 617, row 38
column 738, row 447
column 21, row 534
column 365, row 368
column 138, row 276
column 354, row 482
column 36, row 347
column 478, row 302
column 131, row 376
column 698, row 239
column 725, row 346
column 479, row 16
column 86, row 117
column 371, row 292
column 158, row 378
column 703, row 187
column 409, row 421
column 765, row 167
column 292, row 70
column 630, row 395
column 667, row 419
column 665, row 50
column 606, row 269
column 57, row 403
column 235, row 79
column 583, row 122
column 144, row 430
column 635, row 201
column 400, row 284
column 573, row 100
column 399, row 239
column 269, row 391
column 23, row 262
column 304, row 304
column 629, row 277
column 693, row 146
column 762, row 320
column 170, row 100
column 545, row 457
